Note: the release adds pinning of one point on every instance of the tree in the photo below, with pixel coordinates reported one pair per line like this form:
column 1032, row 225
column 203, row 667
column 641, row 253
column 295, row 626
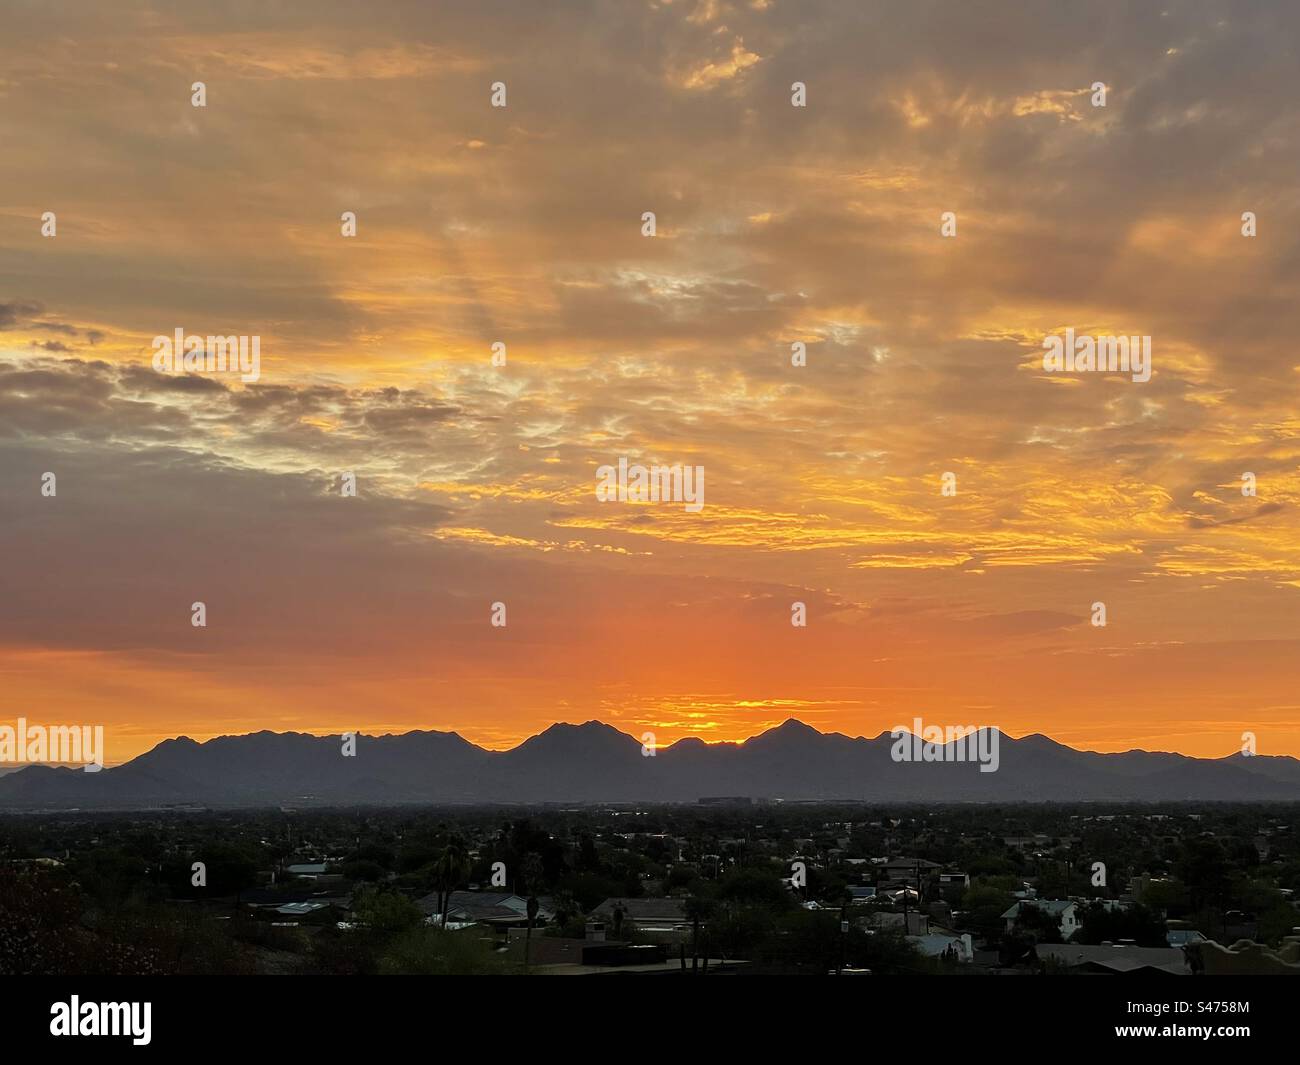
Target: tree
column 385, row 912
column 451, row 868
column 568, row 915
column 1167, row 896
column 983, row 905
column 1099, row 924
column 1041, row 925
column 754, row 886
column 1053, row 880
column 534, row 873
column 1203, row 867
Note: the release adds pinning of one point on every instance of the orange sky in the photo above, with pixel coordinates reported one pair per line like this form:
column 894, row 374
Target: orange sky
column 775, row 224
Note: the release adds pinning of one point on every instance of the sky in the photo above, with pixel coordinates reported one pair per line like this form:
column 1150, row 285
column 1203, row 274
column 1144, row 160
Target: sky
column 774, row 224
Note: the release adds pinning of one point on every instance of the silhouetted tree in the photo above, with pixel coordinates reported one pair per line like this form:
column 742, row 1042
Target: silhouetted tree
column 449, row 871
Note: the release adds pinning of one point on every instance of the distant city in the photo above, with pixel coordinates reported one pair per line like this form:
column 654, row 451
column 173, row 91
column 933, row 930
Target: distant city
column 723, row 886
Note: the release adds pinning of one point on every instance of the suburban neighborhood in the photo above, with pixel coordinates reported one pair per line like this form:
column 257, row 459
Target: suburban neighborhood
column 719, row 888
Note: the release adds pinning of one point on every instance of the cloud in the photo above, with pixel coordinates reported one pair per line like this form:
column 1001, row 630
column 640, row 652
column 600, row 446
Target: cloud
column 777, row 224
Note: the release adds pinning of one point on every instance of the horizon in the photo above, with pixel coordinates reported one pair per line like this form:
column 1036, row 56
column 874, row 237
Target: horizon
column 878, row 737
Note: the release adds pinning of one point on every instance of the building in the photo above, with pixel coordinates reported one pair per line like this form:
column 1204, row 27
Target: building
column 909, row 871
column 1115, row 959
column 550, row 956
column 306, row 900
column 1065, row 912
column 1247, row 958
column 911, row 923
column 952, row 885
column 497, row 909
column 648, row 915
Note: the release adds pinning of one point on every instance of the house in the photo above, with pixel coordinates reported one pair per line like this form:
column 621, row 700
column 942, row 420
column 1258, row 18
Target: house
column 301, row 909
column 1115, row 959
column 952, row 885
column 909, row 870
column 649, row 915
column 1248, row 958
column 277, row 898
column 1065, row 912
column 550, row 956
column 911, row 923
column 498, row 909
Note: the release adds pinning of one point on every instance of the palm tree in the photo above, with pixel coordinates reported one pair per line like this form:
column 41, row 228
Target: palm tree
column 450, row 868
column 566, row 907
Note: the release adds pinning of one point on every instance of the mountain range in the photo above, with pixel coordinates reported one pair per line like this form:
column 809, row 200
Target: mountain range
column 594, row 762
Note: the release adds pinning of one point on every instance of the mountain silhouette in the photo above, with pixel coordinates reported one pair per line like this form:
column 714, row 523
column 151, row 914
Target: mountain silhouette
column 594, row 762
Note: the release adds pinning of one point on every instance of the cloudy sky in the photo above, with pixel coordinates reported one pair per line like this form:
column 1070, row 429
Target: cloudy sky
column 775, row 224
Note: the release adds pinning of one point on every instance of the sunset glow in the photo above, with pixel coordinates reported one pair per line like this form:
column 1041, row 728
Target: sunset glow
column 476, row 483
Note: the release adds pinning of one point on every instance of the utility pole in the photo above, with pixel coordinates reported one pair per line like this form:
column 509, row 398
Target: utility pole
column 905, row 901
column 844, row 937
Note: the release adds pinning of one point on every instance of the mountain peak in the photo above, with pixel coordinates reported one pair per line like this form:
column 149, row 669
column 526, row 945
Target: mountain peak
column 177, row 741
column 596, row 762
column 587, row 728
column 565, row 735
column 790, row 731
column 792, row 726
